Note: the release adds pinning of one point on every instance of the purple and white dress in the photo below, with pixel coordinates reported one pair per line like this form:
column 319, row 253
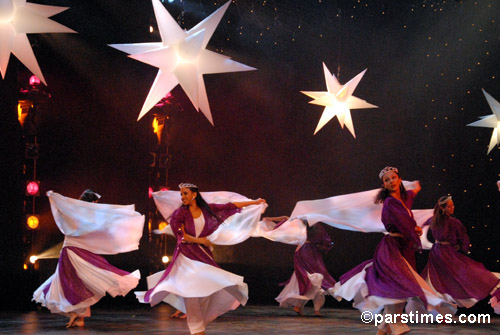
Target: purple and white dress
column 390, row 277
column 310, row 279
column 193, row 283
column 459, row 279
column 82, row 277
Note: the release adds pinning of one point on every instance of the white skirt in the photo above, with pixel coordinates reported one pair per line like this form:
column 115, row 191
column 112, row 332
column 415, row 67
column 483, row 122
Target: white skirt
column 95, row 279
column 200, row 290
column 290, row 295
column 356, row 289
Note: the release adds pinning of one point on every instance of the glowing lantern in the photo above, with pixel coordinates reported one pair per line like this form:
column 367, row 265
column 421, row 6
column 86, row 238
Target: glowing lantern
column 150, row 192
column 32, row 221
column 34, row 80
column 162, row 225
column 33, row 187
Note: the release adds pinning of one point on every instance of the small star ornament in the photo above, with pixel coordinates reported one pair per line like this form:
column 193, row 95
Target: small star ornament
column 490, row 121
column 18, row 18
column 182, row 58
column 338, row 100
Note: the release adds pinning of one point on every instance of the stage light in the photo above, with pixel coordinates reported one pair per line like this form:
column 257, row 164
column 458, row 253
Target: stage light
column 165, row 259
column 162, row 225
column 25, row 266
column 163, row 188
column 34, row 81
column 33, row 187
column 150, row 192
column 33, row 222
column 498, row 184
column 33, row 259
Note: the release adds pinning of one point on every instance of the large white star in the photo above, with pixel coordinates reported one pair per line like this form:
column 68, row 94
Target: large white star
column 18, row 18
column 490, row 121
column 338, row 100
column 182, row 59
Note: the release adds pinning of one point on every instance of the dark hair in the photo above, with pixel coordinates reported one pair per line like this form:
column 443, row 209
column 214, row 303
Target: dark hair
column 384, row 193
column 89, row 196
column 201, row 202
column 439, row 212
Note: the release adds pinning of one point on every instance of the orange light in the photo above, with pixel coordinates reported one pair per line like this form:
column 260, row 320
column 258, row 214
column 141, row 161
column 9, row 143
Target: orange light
column 33, row 187
column 23, row 107
column 162, row 225
column 155, row 125
column 25, row 266
column 32, row 221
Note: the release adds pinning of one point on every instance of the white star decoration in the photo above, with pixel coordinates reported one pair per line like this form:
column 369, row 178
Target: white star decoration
column 182, row 59
column 18, row 18
column 338, row 100
column 490, row 121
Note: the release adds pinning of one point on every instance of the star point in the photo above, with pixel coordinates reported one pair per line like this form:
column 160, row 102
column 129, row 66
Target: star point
column 490, row 121
column 18, row 18
column 338, row 100
column 182, row 58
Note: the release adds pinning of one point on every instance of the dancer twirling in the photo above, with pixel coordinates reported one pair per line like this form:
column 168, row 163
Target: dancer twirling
column 389, row 280
column 449, row 271
column 310, row 279
column 193, row 283
column 82, row 278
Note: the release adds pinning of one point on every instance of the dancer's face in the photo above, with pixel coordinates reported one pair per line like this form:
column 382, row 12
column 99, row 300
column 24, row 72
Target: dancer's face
column 391, row 181
column 450, row 208
column 188, row 197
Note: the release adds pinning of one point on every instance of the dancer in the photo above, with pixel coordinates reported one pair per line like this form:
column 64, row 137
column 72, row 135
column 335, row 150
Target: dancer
column 310, row 279
column 193, row 283
column 449, row 271
column 82, row 278
column 389, row 280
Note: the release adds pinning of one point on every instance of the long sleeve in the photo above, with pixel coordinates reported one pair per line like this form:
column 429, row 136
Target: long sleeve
column 396, row 219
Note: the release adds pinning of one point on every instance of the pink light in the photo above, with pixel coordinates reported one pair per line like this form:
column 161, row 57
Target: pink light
column 34, row 80
column 164, row 188
column 32, row 188
column 150, row 192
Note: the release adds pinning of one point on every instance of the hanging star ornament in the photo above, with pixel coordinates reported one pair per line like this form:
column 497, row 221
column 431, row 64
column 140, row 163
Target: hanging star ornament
column 18, row 18
column 338, row 100
column 490, row 121
column 182, row 59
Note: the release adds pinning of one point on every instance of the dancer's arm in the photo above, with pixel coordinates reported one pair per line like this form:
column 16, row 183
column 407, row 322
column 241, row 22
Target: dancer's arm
column 242, row 204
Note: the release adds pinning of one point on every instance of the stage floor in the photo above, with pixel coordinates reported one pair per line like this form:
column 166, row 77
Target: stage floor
column 247, row 320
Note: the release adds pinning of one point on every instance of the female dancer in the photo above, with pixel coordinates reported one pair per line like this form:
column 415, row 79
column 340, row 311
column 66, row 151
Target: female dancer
column 389, row 280
column 82, row 278
column 449, row 271
column 310, row 279
column 193, row 283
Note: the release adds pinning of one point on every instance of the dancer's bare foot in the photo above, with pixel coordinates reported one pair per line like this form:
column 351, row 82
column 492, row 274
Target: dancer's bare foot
column 200, row 333
column 72, row 318
column 178, row 315
column 318, row 313
column 298, row 310
column 80, row 322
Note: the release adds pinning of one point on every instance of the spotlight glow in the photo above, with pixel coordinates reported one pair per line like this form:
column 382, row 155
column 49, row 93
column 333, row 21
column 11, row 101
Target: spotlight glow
column 32, row 188
column 33, row 259
column 32, row 222
column 165, row 259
